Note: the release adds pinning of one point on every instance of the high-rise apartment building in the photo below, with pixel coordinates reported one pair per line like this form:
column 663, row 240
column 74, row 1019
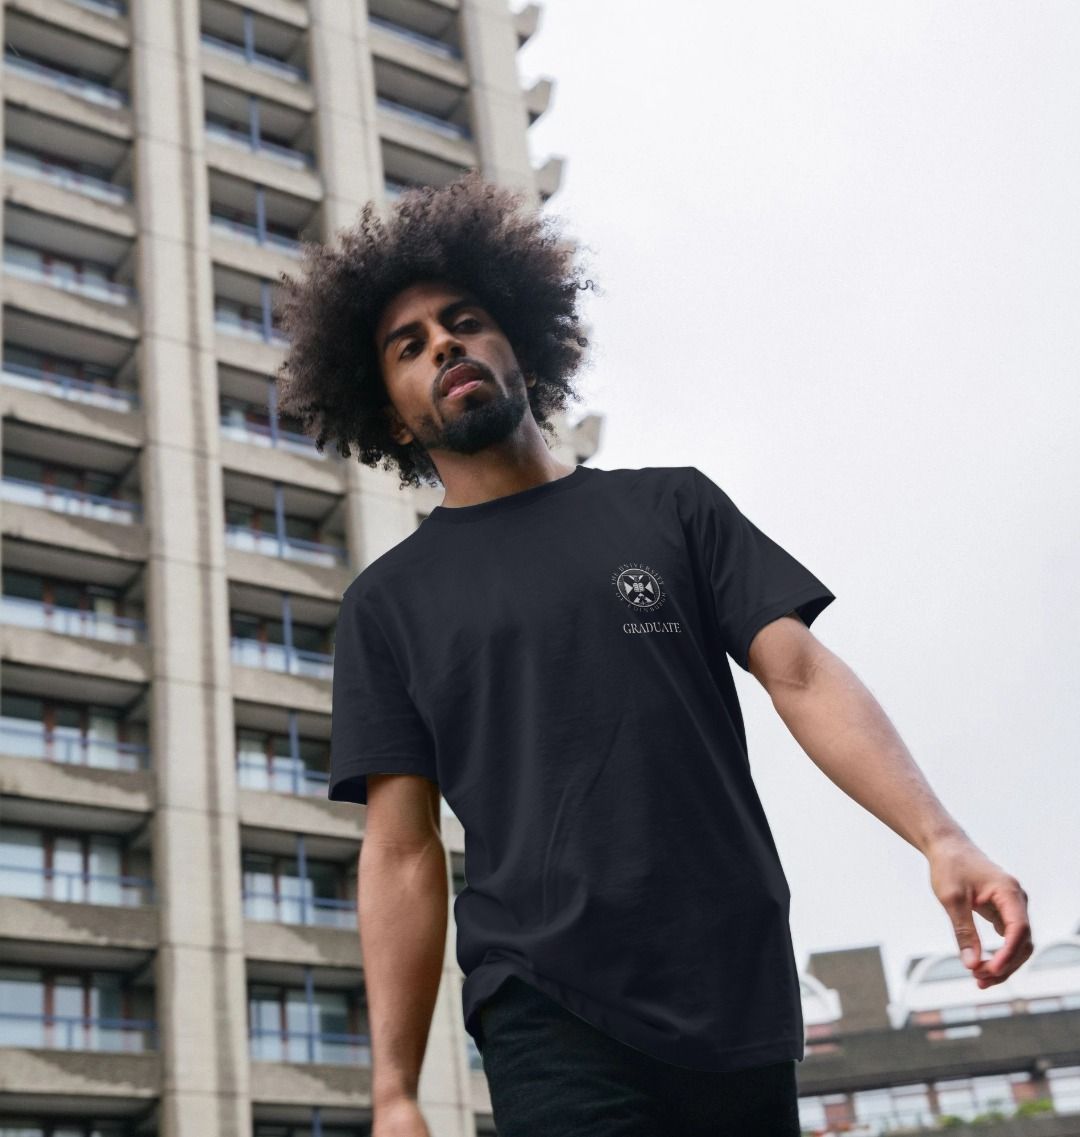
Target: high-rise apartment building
column 178, row 942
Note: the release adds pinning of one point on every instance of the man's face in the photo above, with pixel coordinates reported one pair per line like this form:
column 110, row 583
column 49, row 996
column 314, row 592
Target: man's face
column 452, row 377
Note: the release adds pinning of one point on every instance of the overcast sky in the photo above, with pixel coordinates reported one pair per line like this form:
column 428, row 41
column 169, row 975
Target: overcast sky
column 840, row 252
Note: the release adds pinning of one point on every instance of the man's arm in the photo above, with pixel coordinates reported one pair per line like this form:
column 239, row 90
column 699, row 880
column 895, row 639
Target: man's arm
column 847, row 734
column 402, row 909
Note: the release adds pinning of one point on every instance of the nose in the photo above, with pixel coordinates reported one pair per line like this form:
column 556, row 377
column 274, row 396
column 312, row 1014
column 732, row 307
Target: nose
column 445, row 345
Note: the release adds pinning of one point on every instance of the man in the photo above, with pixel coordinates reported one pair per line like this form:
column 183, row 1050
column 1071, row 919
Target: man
column 548, row 650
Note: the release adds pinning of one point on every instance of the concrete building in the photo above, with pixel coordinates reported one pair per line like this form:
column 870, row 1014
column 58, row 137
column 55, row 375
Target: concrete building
column 178, row 945
column 944, row 1055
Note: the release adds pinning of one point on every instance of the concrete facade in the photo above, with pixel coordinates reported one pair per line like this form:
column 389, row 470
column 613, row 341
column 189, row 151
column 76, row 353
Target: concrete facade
column 167, row 633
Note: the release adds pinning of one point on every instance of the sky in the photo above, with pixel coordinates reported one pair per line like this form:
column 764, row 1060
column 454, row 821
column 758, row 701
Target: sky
column 838, row 248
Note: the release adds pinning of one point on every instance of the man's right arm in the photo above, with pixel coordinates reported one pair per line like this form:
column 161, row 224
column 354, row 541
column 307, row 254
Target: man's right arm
column 402, row 909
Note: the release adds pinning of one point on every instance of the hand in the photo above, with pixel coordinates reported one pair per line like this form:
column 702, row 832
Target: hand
column 964, row 879
column 399, row 1117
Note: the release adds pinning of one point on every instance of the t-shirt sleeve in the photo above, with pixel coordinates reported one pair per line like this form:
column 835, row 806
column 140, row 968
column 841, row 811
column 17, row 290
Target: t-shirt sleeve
column 752, row 579
column 375, row 727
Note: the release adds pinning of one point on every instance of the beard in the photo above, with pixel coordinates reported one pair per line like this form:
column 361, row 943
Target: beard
column 484, row 420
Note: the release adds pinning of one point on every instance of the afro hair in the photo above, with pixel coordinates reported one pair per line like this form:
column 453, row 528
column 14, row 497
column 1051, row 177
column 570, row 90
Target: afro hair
column 472, row 234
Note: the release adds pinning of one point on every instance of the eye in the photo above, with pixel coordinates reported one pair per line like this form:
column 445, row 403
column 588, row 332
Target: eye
column 468, row 320
column 407, row 348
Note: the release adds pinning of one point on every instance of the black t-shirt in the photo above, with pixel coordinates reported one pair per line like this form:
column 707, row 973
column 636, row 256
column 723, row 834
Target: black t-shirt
column 555, row 660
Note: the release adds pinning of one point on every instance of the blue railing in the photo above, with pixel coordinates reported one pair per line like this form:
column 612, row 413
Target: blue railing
column 64, row 176
column 431, row 121
column 233, row 325
column 249, row 141
column 27, row 613
column 288, row 548
column 429, row 43
column 256, row 58
column 85, row 88
column 269, row 1045
column 77, row 887
column 105, row 7
column 73, row 1032
column 262, row 435
column 276, row 657
column 70, row 278
column 313, row 911
column 68, row 387
column 253, row 774
column 64, row 500
column 251, row 234
column 70, row 749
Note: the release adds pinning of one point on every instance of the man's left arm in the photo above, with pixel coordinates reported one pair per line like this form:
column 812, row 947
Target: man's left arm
column 846, row 733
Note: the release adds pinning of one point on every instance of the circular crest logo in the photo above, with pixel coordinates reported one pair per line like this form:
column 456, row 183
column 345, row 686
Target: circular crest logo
column 639, row 586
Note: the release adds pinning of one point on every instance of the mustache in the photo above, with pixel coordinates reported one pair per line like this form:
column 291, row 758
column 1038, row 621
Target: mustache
column 467, row 359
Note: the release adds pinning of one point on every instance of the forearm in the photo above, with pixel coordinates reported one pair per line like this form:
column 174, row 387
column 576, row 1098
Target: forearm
column 402, row 911
column 844, row 730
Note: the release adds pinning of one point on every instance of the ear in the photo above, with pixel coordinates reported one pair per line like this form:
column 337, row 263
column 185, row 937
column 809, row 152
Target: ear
column 399, row 432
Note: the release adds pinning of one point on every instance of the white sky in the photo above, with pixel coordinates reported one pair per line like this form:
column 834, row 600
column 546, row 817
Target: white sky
column 840, row 252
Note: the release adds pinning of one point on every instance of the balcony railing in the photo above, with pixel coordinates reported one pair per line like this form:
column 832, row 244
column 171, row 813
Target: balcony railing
column 314, row 911
column 258, row 434
column 88, row 89
column 72, row 1032
column 276, row 657
column 68, row 387
column 269, row 63
column 288, row 548
column 63, row 500
column 27, row 613
column 284, row 777
column 249, row 233
column 428, row 43
column 307, row 1046
column 57, row 175
column 69, row 747
column 75, row 887
column 432, row 122
column 246, row 141
column 105, row 7
column 233, row 325
column 111, row 291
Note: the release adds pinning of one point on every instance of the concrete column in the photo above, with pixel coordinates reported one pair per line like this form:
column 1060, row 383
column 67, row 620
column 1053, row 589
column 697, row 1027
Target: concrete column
column 500, row 120
column 378, row 513
column 200, row 971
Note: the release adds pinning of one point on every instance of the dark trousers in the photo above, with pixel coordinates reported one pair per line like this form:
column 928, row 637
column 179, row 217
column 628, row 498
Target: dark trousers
column 551, row 1074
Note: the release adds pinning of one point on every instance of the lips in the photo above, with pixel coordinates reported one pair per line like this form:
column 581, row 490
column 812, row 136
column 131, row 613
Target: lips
column 458, row 376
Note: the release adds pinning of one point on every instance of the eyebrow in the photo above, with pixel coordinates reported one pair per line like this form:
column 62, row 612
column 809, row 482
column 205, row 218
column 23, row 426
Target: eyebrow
column 445, row 314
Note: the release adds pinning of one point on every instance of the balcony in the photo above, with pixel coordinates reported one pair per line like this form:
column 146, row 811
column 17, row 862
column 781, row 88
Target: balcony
column 90, row 90
column 436, row 123
column 45, row 379
column 280, row 775
column 249, row 233
column 34, row 883
column 277, row 657
column 428, row 43
column 24, row 492
column 28, row 613
column 76, row 1032
column 250, row 57
column 66, row 177
column 255, row 428
column 69, row 746
column 289, row 548
column 232, row 134
column 91, row 281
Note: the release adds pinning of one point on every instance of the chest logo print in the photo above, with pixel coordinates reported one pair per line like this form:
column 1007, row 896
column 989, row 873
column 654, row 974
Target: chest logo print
column 639, row 586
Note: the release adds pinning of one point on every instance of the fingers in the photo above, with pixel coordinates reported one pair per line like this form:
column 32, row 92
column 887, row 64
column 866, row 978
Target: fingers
column 1008, row 903
column 957, row 904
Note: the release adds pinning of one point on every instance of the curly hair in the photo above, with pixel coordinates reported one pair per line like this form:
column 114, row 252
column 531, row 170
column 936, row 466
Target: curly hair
column 470, row 233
